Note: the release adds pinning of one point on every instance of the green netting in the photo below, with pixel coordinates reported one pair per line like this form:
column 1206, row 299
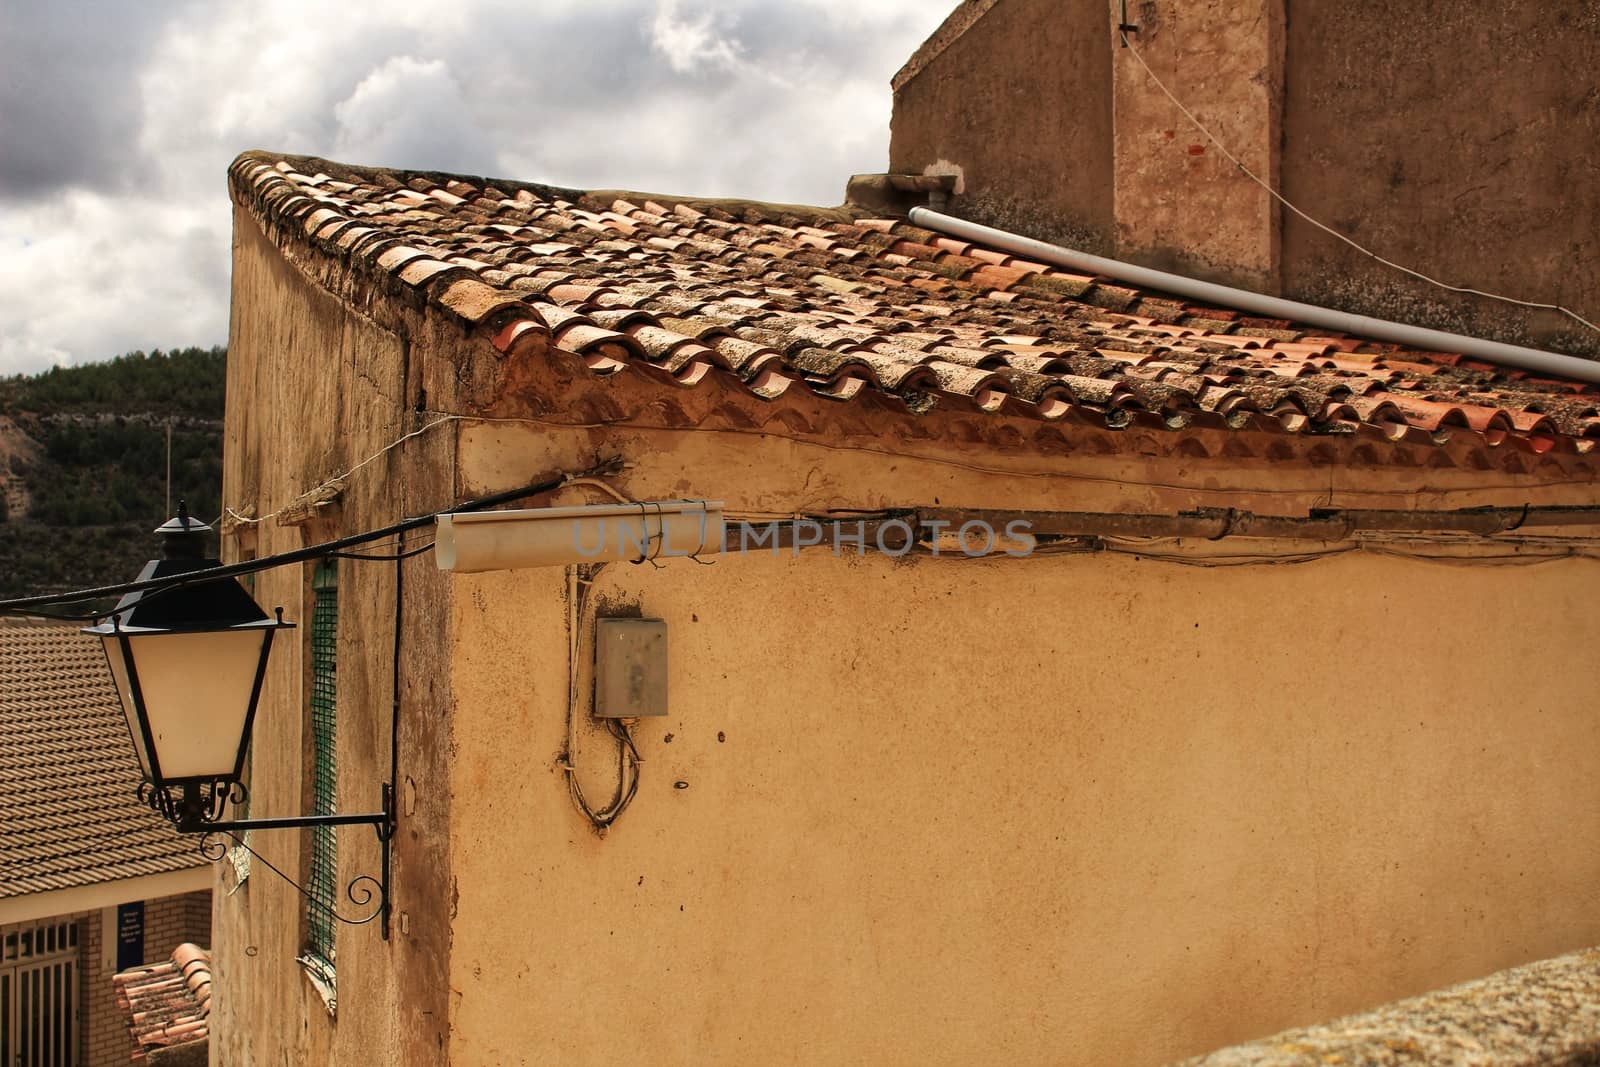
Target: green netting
column 324, row 721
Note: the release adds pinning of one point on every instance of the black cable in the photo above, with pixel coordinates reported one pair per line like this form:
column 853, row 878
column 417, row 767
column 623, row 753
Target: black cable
column 20, row 605
column 407, row 554
column 62, row 616
column 394, row 681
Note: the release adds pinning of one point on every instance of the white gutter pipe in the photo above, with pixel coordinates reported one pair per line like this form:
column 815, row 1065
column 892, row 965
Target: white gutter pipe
column 469, row 542
column 1528, row 359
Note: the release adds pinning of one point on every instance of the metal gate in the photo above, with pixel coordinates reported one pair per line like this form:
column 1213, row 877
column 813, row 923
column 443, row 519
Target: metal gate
column 39, row 996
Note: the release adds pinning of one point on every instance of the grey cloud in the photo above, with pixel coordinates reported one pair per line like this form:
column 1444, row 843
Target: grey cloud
column 118, row 122
column 411, row 112
column 69, row 101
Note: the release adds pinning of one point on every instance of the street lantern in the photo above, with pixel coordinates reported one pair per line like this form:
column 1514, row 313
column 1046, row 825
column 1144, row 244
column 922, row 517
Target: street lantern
column 188, row 663
column 188, row 659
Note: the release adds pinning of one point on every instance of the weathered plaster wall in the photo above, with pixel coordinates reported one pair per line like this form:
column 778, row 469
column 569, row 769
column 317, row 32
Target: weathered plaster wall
column 1017, row 106
column 314, row 387
column 1090, row 809
column 1181, row 205
column 1457, row 138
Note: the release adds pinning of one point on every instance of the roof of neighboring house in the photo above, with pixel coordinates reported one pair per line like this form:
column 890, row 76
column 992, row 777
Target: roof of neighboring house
column 771, row 299
column 69, row 807
column 167, row 1003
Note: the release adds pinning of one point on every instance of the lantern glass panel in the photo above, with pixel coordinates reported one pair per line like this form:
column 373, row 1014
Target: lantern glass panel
column 196, row 689
column 119, row 673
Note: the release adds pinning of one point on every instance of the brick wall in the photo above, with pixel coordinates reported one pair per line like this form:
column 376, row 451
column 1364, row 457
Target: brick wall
column 168, row 923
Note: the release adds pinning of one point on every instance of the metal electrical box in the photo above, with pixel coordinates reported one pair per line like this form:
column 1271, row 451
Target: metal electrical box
column 630, row 668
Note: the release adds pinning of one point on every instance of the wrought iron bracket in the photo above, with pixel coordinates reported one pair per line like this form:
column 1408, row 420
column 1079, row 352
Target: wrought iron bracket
column 196, row 811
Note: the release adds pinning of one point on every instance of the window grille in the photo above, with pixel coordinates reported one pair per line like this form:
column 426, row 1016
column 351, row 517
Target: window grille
column 324, row 735
column 39, row 996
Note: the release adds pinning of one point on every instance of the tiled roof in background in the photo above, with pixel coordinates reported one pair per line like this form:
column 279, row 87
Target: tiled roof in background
column 167, row 1003
column 69, row 814
column 838, row 304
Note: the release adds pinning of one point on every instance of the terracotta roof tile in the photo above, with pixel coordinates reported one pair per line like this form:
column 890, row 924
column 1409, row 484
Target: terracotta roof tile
column 846, row 306
column 167, row 1003
column 69, row 807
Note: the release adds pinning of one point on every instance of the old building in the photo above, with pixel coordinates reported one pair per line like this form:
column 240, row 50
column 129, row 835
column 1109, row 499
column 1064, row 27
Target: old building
column 1455, row 139
column 1277, row 719
column 90, row 882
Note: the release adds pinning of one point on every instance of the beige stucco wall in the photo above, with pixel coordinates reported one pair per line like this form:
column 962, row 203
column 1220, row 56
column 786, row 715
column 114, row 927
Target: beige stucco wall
column 1098, row 806
column 1083, row 809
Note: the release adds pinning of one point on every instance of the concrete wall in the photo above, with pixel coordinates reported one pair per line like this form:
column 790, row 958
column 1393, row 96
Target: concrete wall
column 1456, row 138
column 1091, row 809
column 1181, row 204
column 1002, row 104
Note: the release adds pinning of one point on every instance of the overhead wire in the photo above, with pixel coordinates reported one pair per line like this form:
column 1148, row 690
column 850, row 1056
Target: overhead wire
column 153, row 586
column 383, row 557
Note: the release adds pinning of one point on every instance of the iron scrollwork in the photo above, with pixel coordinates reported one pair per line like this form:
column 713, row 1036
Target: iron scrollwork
column 361, row 891
column 198, row 808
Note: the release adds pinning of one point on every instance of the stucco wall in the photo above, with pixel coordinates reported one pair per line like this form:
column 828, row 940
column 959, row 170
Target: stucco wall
column 314, row 387
column 1093, row 806
column 1458, row 138
column 1091, row 809
column 1017, row 105
column 1080, row 810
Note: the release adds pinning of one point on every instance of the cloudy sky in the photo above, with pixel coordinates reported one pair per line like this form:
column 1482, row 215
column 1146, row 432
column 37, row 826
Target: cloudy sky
column 118, row 121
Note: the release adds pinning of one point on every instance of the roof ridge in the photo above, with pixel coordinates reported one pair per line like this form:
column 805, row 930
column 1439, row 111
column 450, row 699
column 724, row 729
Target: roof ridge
column 880, row 307
column 951, row 30
column 594, row 199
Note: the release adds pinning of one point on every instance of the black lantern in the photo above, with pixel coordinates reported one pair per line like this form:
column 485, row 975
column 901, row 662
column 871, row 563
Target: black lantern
column 188, row 658
column 188, row 662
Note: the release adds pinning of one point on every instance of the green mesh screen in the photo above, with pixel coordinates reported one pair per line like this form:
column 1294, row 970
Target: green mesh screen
column 324, row 703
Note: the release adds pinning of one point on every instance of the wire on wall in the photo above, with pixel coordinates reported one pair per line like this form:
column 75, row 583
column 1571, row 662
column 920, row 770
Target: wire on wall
column 251, row 520
column 1324, row 227
column 579, row 623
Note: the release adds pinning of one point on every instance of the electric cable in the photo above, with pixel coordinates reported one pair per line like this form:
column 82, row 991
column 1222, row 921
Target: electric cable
column 628, row 758
column 397, row 442
column 24, row 605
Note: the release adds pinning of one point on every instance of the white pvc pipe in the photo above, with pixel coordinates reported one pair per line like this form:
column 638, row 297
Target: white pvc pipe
column 1529, row 359
column 550, row 537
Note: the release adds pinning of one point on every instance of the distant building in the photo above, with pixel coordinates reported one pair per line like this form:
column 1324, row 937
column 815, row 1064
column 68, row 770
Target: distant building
column 1459, row 140
column 90, row 881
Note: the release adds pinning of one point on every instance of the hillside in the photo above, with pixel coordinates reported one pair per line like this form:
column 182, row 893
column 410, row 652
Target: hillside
column 83, row 464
